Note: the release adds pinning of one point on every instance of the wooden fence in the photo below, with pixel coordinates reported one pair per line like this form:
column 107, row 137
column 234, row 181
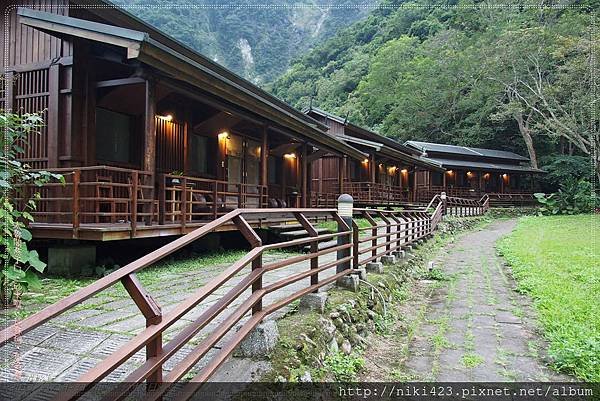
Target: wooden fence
column 389, row 232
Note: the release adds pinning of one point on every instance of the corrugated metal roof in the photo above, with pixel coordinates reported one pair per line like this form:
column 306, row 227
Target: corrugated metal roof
column 451, row 163
column 464, row 150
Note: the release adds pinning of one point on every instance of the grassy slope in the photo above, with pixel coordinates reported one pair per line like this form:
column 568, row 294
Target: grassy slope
column 556, row 259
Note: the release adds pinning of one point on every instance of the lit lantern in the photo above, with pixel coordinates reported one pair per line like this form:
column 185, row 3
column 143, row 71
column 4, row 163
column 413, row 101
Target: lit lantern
column 290, row 156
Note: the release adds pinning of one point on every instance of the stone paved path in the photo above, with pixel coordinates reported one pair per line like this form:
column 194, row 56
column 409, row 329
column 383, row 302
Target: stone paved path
column 477, row 327
column 71, row 344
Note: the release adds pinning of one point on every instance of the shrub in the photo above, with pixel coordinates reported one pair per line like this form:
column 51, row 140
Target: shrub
column 18, row 261
column 573, row 197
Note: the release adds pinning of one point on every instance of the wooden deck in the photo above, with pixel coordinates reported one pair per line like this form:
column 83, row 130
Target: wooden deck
column 123, row 231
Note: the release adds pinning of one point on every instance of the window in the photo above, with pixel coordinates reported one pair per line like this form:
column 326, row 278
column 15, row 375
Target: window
column 113, row 136
column 437, row 179
column 275, row 167
column 202, row 154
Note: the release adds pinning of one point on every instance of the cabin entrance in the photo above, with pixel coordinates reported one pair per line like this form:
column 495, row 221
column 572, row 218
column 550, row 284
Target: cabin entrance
column 243, row 171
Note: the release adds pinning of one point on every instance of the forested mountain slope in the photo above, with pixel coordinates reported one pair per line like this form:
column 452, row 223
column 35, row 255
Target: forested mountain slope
column 491, row 76
column 255, row 39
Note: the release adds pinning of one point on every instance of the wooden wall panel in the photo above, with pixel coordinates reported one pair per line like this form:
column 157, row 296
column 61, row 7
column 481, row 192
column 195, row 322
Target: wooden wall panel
column 170, row 145
column 25, row 45
column 31, row 95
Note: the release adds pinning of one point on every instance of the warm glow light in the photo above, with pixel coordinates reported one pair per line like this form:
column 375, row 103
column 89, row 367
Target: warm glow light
column 504, row 175
column 404, row 171
column 223, row 135
column 366, row 161
column 290, row 155
column 449, row 171
column 486, row 176
column 392, row 169
column 168, row 117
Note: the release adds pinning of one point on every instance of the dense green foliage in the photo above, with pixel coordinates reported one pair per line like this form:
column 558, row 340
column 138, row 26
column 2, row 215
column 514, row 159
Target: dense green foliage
column 572, row 197
column 249, row 37
column 19, row 263
column 555, row 260
column 467, row 75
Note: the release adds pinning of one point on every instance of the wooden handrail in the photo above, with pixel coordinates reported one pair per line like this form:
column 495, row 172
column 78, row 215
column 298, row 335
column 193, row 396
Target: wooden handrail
column 396, row 229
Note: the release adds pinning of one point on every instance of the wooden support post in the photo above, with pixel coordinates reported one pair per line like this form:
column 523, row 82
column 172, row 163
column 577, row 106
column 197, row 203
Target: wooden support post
column 149, row 163
column 184, row 203
column 162, row 201
column 134, row 202
column 75, row 206
column 53, row 114
column 374, row 231
column 153, row 314
column 388, row 230
column 264, row 163
column 304, row 174
column 314, row 246
column 252, row 237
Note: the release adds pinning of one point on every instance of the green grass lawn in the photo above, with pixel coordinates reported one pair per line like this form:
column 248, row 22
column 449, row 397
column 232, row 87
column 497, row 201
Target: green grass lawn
column 556, row 260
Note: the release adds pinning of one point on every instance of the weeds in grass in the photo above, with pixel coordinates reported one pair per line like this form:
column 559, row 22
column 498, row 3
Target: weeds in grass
column 344, row 368
column 472, row 360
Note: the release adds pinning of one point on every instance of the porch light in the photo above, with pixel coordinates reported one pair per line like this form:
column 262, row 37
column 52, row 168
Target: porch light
column 168, row 117
column 404, row 171
column 392, row 170
column 366, row 161
column 504, row 175
column 486, row 176
column 223, row 135
column 290, row 155
column 449, row 172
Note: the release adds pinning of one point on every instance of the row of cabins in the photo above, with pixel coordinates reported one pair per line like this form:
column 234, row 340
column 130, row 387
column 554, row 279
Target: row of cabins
column 154, row 139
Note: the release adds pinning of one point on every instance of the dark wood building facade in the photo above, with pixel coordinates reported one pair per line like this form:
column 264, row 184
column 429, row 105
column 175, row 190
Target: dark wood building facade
column 387, row 175
column 152, row 137
column 472, row 172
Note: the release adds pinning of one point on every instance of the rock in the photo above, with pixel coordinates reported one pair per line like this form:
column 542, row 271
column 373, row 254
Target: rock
column 328, row 327
column 313, row 302
column 280, row 379
column 260, row 342
column 346, row 347
column 334, row 315
column 388, row 259
column 333, row 346
column 348, row 282
column 375, row 267
column 371, row 314
column 305, row 378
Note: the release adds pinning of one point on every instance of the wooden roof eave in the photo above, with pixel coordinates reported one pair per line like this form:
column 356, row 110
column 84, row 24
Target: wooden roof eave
column 110, row 11
column 149, row 51
column 397, row 155
column 157, row 55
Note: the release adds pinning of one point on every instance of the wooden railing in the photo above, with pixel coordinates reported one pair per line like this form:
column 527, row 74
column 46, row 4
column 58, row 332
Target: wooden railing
column 397, row 229
column 508, row 198
column 184, row 199
column 389, row 232
column 98, row 194
column 465, row 207
column 151, row 338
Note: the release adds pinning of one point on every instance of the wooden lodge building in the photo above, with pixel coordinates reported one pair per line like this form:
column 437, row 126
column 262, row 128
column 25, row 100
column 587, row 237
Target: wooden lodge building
column 471, row 172
column 388, row 175
column 152, row 138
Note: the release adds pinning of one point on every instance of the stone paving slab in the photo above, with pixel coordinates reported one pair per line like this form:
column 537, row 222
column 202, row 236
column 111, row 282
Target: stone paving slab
column 490, row 327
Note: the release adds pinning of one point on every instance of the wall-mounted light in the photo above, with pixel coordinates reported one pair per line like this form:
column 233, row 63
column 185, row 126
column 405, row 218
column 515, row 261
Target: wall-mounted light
column 168, row 117
column 366, row 161
column 449, row 172
column 486, row 176
column 404, row 171
column 290, row 156
column 504, row 175
column 223, row 135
